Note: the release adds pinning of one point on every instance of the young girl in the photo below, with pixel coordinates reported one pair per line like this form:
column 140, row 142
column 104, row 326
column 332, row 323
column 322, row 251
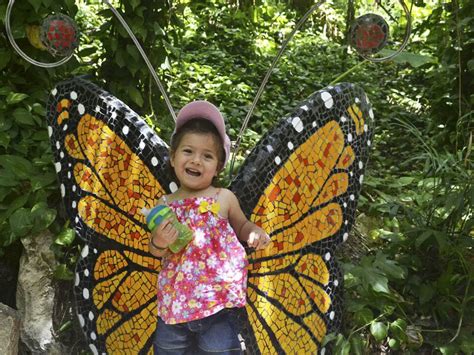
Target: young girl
column 199, row 285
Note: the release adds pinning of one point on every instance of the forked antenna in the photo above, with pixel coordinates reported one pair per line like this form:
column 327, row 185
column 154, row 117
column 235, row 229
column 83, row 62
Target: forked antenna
column 404, row 42
column 64, row 60
column 18, row 49
column 300, row 23
column 145, row 58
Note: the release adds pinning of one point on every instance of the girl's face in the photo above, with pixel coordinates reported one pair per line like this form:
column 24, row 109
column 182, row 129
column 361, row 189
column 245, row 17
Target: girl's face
column 196, row 160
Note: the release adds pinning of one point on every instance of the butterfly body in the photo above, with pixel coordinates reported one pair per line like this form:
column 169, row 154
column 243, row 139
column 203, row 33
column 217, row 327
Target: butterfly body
column 300, row 183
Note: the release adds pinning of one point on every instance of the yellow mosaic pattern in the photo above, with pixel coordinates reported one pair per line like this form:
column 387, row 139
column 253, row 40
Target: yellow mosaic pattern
column 294, row 185
column 119, row 185
column 306, row 180
column 134, row 333
column 357, row 117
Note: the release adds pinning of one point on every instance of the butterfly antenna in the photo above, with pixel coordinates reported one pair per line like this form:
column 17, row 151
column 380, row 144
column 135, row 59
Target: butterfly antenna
column 264, row 82
column 19, row 51
column 405, row 38
column 145, row 58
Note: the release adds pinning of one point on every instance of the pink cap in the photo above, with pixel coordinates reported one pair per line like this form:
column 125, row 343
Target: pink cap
column 206, row 110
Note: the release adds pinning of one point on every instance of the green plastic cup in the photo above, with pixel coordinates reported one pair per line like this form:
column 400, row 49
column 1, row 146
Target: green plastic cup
column 161, row 213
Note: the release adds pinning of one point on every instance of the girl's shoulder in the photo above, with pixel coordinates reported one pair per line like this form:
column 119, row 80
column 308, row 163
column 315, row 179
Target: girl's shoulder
column 223, row 193
column 226, row 198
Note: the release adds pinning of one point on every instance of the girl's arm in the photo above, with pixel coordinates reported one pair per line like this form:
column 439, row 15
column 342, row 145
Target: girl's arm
column 246, row 231
column 161, row 238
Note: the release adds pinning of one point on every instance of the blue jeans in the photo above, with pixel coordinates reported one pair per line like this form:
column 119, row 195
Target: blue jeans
column 216, row 334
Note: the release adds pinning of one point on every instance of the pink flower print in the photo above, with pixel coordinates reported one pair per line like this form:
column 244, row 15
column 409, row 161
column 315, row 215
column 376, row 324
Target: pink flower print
column 187, row 266
column 199, row 238
column 194, row 304
column 167, row 300
column 200, row 290
column 176, row 307
column 212, row 262
column 222, row 256
column 227, row 273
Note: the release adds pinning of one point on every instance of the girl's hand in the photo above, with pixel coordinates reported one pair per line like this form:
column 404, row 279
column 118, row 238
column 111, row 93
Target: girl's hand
column 258, row 239
column 163, row 235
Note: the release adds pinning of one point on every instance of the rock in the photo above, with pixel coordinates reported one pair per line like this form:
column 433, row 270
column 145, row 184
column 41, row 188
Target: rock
column 9, row 330
column 35, row 295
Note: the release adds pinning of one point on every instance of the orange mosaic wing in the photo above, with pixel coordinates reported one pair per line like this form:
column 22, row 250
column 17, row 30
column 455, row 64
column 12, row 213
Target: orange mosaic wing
column 110, row 165
column 301, row 185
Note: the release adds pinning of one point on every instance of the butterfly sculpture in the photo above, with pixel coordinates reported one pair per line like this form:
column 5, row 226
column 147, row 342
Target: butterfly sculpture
column 300, row 184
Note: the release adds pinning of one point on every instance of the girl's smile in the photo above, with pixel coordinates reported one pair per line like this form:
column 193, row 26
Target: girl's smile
column 196, row 161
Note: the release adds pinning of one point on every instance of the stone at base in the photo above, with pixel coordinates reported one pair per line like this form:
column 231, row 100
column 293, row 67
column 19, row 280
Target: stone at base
column 9, row 330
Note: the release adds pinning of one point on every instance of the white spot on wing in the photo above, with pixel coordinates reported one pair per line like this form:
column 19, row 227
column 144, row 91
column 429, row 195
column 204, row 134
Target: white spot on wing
column 297, row 124
column 173, row 187
column 85, row 251
column 327, row 98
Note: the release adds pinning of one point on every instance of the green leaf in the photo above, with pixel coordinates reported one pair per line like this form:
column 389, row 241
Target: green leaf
column 40, row 181
column 17, row 203
column 467, row 343
column 389, row 267
column 328, row 338
column 4, row 58
column 36, row 4
column 62, row 272
column 39, row 109
column 21, row 167
column 470, row 65
column 379, row 330
column 450, row 349
column 342, row 346
column 65, row 237
column 398, row 329
column 23, row 116
column 15, row 97
column 4, row 139
column 357, row 346
column 134, row 3
column 394, row 344
column 363, row 316
column 20, row 222
column 4, row 90
column 136, row 96
column 378, row 282
column 442, row 239
column 423, row 237
column 402, row 181
column 426, row 293
column 42, row 216
column 8, row 179
column 132, row 50
column 415, row 60
column 5, row 122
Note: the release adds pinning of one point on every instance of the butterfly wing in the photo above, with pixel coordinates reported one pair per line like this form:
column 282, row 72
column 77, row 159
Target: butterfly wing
column 301, row 185
column 110, row 165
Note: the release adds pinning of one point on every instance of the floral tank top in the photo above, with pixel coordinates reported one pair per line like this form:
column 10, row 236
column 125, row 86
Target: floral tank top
column 210, row 273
